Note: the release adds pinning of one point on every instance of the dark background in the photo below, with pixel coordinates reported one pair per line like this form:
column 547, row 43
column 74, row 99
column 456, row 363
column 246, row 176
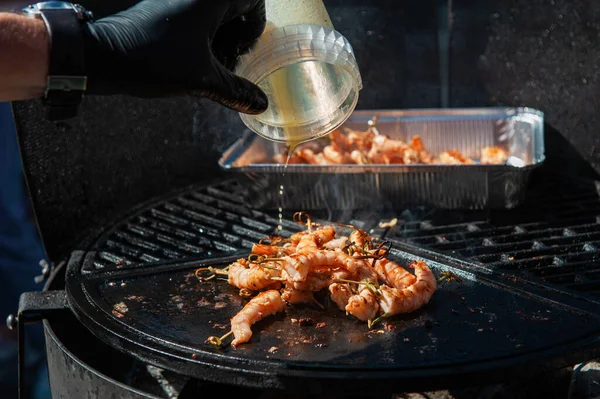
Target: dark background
column 121, row 151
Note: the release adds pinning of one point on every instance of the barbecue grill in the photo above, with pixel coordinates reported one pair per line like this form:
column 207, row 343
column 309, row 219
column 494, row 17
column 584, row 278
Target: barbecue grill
column 130, row 201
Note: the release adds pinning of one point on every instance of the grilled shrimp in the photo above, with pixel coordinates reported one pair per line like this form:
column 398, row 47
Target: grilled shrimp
column 315, row 239
column 359, row 237
column 340, row 293
column 406, row 300
column 249, row 275
column 339, row 242
column 294, row 296
column 298, row 266
column 264, row 304
column 364, row 306
column 271, row 250
column 321, row 278
column 393, row 274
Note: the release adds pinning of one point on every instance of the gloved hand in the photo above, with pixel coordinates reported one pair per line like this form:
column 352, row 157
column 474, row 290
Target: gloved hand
column 163, row 48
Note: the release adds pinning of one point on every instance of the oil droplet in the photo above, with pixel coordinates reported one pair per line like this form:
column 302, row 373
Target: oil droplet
column 280, row 227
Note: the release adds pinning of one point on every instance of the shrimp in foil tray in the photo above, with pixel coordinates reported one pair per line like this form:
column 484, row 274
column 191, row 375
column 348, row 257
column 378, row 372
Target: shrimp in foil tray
column 354, row 270
column 348, row 146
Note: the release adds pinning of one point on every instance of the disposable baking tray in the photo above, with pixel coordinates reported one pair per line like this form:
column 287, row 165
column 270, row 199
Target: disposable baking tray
column 519, row 131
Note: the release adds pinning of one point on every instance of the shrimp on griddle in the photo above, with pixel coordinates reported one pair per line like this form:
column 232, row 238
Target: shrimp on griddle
column 340, row 293
column 252, row 275
column 354, row 269
column 297, row 267
column 264, row 304
column 411, row 298
column 314, row 240
column 321, row 278
column 294, row 296
column 393, row 274
column 364, row 305
column 339, row 242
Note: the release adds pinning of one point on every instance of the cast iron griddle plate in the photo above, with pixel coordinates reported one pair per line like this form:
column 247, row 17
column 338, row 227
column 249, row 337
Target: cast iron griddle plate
column 470, row 332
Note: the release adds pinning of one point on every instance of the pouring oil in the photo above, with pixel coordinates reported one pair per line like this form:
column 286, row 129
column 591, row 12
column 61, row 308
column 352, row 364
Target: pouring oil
column 287, row 88
column 281, row 94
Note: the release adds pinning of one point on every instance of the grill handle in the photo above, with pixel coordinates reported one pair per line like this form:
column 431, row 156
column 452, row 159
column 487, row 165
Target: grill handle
column 33, row 308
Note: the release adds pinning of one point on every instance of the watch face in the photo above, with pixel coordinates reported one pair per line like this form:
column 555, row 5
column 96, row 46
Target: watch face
column 53, row 5
column 36, row 9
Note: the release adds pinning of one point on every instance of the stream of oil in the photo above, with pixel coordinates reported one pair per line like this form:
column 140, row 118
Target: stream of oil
column 291, row 148
column 289, row 111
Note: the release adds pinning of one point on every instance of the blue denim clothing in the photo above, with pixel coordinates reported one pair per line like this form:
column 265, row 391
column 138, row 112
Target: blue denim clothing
column 20, row 253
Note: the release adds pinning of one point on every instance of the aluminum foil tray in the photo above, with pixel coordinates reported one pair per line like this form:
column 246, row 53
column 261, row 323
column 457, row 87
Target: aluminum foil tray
column 520, row 131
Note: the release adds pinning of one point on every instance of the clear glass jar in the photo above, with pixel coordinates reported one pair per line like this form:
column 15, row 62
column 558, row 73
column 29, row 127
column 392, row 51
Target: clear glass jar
column 306, row 68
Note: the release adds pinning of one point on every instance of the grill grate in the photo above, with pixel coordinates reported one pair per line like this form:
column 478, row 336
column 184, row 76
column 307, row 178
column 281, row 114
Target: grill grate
column 209, row 222
column 553, row 240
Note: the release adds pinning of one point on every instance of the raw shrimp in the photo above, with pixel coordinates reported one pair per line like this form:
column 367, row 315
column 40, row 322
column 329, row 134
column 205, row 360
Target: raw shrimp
column 252, row 276
column 340, row 140
column 293, row 160
column 313, row 158
column 362, row 141
column 393, row 274
column 411, row 298
column 264, row 304
column 454, row 157
column 493, row 155
column 359, row 158
column 334, row 155
column 386, row 151
column 417, row 144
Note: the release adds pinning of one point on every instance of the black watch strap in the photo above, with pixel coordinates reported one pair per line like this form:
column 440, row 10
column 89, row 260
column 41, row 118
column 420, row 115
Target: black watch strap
column 66, row 78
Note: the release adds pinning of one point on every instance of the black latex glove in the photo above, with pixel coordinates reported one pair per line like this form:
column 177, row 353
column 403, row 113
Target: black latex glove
column 160, row 48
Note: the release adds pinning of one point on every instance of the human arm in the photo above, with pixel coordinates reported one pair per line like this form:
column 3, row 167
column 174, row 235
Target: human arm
column 25, row 48
column 158, row 48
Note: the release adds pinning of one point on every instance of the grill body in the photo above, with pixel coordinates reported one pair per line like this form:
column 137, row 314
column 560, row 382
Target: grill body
column 75, row 360
column 89, row 175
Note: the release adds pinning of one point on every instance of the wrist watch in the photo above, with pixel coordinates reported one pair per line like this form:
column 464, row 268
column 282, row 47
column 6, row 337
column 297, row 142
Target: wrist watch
column 67, row 80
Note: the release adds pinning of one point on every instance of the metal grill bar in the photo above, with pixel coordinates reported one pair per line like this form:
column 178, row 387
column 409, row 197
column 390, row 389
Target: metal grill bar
column 208, row 222
column 554, row 240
